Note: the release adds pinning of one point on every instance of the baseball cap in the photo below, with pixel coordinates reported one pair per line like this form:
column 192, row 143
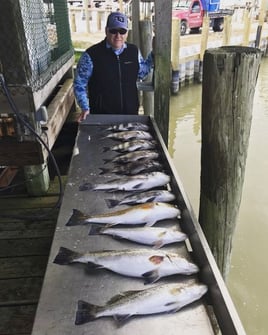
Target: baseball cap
column 117, row 20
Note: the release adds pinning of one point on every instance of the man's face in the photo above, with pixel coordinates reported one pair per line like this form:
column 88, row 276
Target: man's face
column 116, row 37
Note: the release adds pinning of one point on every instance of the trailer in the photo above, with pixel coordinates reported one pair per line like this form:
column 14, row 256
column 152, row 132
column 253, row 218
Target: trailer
column 64, row 285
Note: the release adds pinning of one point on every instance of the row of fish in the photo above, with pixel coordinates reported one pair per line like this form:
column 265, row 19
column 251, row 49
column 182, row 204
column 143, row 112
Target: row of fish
column 141, row 176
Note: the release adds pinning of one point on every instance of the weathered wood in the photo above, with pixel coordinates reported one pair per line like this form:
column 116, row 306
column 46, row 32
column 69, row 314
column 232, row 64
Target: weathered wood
column 23, row 267
column 20, row 153
column 229, row 79
column 162, row 78
column 25, row 247
column 20, row 291
column 17, row 319
column 227, row 30
column 135, row 35
column 146, row 37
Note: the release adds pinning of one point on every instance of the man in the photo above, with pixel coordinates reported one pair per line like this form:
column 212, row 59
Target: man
column 107, row 72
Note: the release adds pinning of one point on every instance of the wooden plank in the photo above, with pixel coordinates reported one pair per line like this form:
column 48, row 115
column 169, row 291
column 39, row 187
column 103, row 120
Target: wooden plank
column 20, row 291
column 20, row 153
column 25, row 247
column 58, row 111
column 17, row 320
column 8, row 175
column 29, row 266
column 21, row 230
column 28, row 203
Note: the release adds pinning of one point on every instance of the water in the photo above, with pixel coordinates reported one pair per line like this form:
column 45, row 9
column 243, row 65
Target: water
column 249, row 269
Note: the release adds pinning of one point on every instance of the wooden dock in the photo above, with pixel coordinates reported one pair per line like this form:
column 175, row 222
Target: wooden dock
column 25, row 242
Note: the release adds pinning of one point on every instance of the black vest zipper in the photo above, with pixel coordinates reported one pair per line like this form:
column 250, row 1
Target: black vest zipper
column 120, row 83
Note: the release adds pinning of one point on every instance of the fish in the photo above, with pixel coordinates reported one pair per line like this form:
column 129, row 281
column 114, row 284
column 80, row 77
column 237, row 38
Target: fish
column 153, row 236
column 143, row 165
column 129, row 135
column 164, row 298
column 149, row 264
column 132, row 146
column 128, row 126
column 140, row 182
column 147, row 214
column 133, row 156
column 142, row 197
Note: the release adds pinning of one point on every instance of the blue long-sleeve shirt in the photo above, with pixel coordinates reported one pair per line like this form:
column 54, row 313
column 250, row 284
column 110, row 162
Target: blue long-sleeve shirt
column 85, row 68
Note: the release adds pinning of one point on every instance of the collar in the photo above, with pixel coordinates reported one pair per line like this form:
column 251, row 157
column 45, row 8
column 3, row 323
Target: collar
column 117, row 51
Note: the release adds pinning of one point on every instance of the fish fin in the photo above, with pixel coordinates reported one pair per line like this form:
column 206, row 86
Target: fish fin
column 103, row 170
column 95, row 230
column 65, row 256
column 121, row 318
column 150, row 277
column 86, row 187
column 112, row 202
column 150, row 223
column 158, row 244
column 137, row 186
column 105, row 149
column 86, row 312
column 77, row 218
column 94, row 266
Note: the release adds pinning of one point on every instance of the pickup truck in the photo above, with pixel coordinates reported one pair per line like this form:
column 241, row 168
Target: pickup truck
column 192, row 12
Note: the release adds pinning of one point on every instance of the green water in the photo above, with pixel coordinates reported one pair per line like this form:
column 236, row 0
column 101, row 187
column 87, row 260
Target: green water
column 249, row 268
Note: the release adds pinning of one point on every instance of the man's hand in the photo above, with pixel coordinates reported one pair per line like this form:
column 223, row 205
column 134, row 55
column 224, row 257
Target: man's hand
column 83, row 116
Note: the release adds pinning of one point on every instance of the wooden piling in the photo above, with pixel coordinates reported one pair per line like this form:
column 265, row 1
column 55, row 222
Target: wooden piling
column 163, row 10
column 229, row 79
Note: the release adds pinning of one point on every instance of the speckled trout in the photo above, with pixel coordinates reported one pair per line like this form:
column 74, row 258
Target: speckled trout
column 128, row 126
column 148, row 213
column 139, row 182
column 154, row 236
column 142, row 197
column 141, row 263
column 130, row 135
column 167, row 298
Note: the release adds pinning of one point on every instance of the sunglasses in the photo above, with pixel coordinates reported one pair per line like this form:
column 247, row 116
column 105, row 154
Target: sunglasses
column 121, row 31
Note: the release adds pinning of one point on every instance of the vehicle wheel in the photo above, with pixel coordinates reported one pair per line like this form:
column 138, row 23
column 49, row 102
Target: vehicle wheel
column 183, row 27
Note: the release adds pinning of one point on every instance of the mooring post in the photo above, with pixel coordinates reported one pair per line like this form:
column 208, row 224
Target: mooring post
column 146, row 38
column 175, row 55
column 162, row 73
column 229, row 79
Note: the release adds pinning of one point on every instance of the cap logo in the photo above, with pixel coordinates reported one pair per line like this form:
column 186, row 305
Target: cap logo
column 119, row 18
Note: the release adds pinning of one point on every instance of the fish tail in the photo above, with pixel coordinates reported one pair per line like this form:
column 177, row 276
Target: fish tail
column 112, row 202
column 103, row 170
column 86, row 312
column 95, row 230
column 65, row 256
column 105, row 149
column 86, row 187
column 77, row 218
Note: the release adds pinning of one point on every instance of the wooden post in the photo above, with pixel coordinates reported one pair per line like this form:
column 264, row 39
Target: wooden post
column 135, row 22
column 204, row 36
column 261, row 22
column 146, row 36
column 162, row 78
column 175, row 55
column 247, row 27
column 227, row 30
column 229, row 79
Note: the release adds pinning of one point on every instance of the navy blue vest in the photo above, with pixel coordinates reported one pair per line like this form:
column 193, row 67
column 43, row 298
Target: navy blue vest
column 112, row 88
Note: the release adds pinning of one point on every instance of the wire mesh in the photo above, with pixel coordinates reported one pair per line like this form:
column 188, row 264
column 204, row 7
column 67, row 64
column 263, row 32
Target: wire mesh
column 35, row 41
